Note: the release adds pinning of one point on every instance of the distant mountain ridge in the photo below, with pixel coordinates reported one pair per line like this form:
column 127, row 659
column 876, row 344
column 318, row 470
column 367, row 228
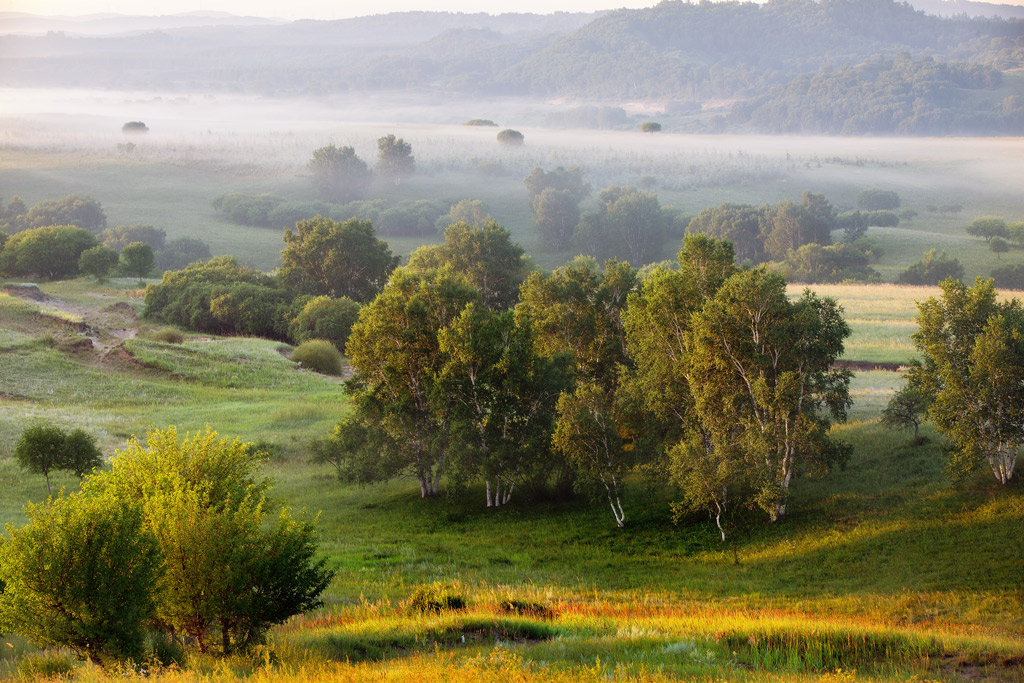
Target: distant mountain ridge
column 692, row 57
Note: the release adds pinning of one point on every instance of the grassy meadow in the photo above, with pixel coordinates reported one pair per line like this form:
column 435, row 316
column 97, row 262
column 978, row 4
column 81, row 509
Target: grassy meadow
column 881, row 571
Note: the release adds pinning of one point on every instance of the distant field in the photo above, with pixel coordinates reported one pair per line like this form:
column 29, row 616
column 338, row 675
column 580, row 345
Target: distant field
column 176, row 170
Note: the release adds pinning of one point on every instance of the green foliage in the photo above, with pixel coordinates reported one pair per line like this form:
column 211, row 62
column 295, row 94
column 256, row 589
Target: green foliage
column 78, row 210
column 324, row 257
column 570, row 179
column 630, row 225
column 395, row 161
column 1015, row 233
column 973, row 375
column 325, row 318
column 882, row 218
column 650, row 127
column 905, row 410
column 338, row 174
column 137, row 259
column 484, row 254
column 221, row 297
column 119, row 237
column 395, row 351
column 933, row 268
column 999, row 246
column 740, row 224
column 134, row 128
column 166, row 335
column 79, row 575
column 556, row 214
column 813, row 263
column 510, row 138
column 472, row 212
column 50, row 252
column 40, row 449
column 179, row 253
column 875, row 199
column 1009, row 276
column 480, row 122
column 988, row 227
column 436, row 597
column 81, row 455
column 97, row 261
column 318, row 355
column 227, row 574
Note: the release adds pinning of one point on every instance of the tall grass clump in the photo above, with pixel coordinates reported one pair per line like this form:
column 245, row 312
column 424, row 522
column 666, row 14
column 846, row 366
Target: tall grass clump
column 436, row 597
column 318, row 355
column 166, row 335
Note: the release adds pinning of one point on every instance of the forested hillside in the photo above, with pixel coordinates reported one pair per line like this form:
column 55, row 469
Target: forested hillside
column 878, row 67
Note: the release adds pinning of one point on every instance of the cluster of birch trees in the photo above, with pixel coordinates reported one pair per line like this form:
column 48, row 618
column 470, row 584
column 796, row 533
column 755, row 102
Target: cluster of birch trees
column 471, row 366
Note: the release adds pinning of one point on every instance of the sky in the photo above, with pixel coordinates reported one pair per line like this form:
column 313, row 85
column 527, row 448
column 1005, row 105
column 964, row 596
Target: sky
column 309, row 9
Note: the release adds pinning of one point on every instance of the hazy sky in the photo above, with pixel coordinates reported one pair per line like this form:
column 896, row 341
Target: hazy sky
column 318, row 9
column 310, row 9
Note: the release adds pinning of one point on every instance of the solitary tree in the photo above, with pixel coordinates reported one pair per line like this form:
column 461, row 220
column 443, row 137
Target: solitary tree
column 999, row 246
column 41, row 450
column 510, row 137
column 137, row 259
column 394, row 158
column 651, row 127
column 906, row 409
column 339, row 175
column 134, row 128
column 97, row 262
column 987, row 227
column 874, row 199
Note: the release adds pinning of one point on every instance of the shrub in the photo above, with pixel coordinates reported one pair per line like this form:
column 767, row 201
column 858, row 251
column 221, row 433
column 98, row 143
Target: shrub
column 166, row 335
column 45, row 665
column 318, row 355
column 134, row 128
column 1009, row 277
column 526, row 608
column 436, row 597
column 480, row 122
column 512, row 138
column 650, row 127
column 882, row 219
column 228, row 574
column 179, row 253
column 79, row 575
column 97, row 261
column 324, row 317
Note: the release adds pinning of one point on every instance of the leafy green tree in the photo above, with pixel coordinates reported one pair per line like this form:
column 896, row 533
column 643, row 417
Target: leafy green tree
column 738, row 223
column 79, row 575
column 510, row 137
column 40, row 450
column 789, row 226
column 79, row 210
column 338, row 174
column 395, row 351
column 556, row 214
column 326, row 258
column 999, row 246
column 179, row 253
column 874, row 199
column 813, row 263
column 51, row 252
column 933, row 268
column 987, row 227
column 502, row 398
column 472, row 212
column 227, row 574
column 650, row 127
column 250, row 309
column 394, row 159
column 80, row 453
column 98, row 262
column 134, row 128
column 485, row 255
column 325, row 318
column 906, row 409
column 137, row 259
column 119, row 237
column 634, row 223
column 1009, row 277
column 1015, row 233
column 570, row 179
column 973, row 375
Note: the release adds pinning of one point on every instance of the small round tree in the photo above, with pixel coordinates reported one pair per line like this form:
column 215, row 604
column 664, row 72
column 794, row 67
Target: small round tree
column 137, row 259
column 999, row 246
column 41, row 450
column 134, row 128
column 81, row 455
column 651, row 127
column 97, row 262
column 512, row 138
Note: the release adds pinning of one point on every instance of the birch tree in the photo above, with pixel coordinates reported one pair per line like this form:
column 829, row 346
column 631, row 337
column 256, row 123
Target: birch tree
column 973, row 372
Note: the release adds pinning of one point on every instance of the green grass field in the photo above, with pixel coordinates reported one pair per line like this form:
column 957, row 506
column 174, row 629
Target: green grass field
column 882, row 571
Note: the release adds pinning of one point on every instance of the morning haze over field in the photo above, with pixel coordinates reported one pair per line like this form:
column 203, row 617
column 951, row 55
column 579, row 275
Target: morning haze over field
column 561, row 342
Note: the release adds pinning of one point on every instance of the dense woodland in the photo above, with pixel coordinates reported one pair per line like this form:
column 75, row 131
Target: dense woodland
column 857, row 67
